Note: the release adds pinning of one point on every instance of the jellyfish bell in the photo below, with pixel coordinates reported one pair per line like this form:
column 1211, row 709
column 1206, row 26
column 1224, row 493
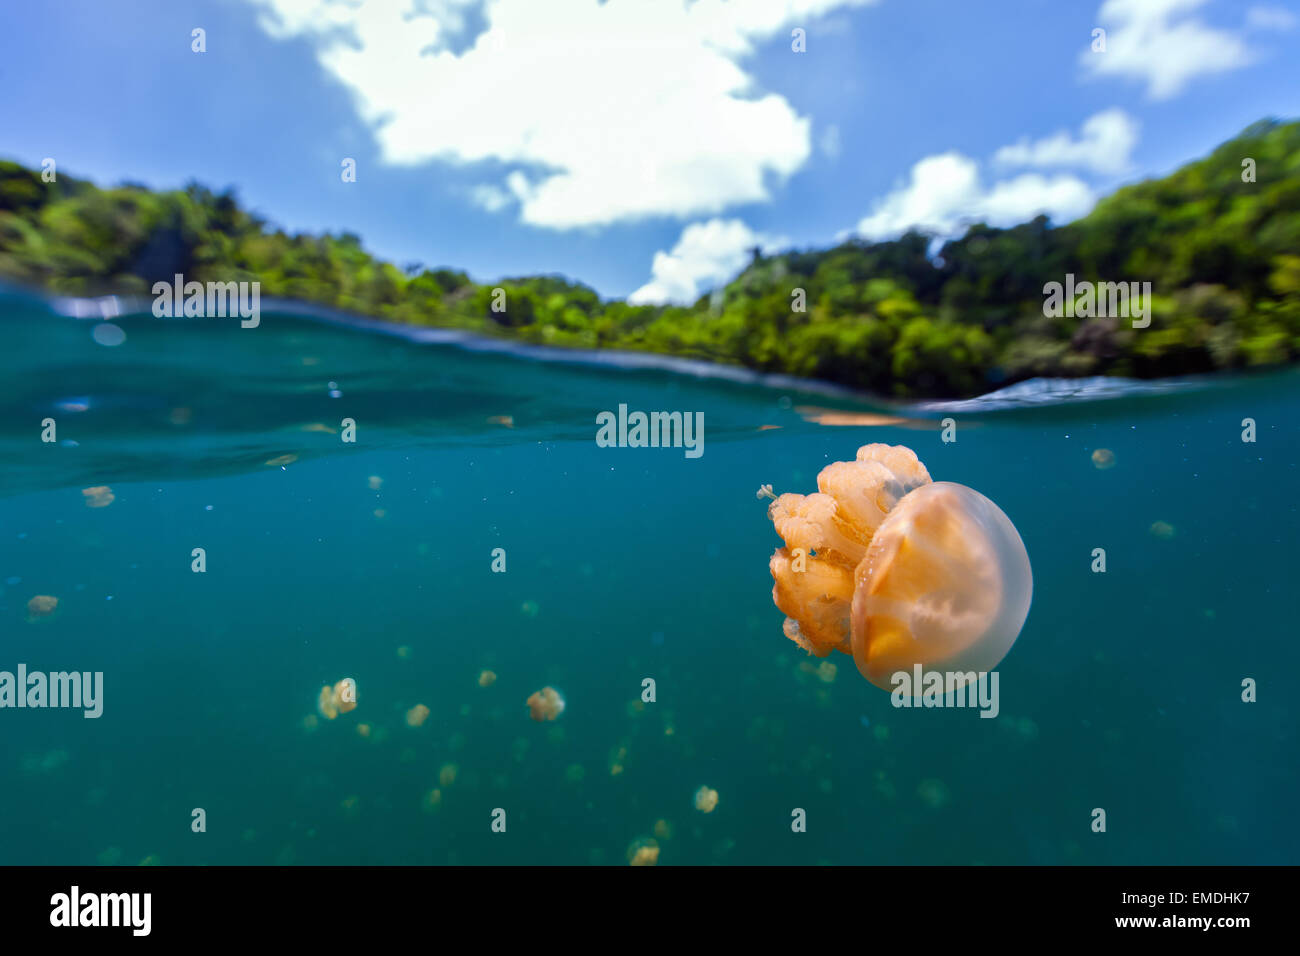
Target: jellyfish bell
column 946, row 584
column 898, row 570
column 545, row 704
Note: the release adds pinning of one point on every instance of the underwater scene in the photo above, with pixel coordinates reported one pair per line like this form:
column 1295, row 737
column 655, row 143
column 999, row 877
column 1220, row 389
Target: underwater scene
column 476, row 634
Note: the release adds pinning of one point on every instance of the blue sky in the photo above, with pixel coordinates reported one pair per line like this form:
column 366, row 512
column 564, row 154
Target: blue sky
column 640, row 146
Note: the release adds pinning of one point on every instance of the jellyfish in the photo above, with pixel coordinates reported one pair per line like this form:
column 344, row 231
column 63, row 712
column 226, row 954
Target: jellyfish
column 487, row 678
column 545, row 704
column 101, row 496
column 42, row 605
column 417, row 715
column 643, row 852
column 1103, row 458
column 706, row 800
column 339, row 699
column 898, row 570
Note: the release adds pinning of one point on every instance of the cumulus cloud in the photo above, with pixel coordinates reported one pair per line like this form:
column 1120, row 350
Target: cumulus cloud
column 945, row 193
column 1160, row 43
column 1105, row 145
column 609, row 111
column 706, row 253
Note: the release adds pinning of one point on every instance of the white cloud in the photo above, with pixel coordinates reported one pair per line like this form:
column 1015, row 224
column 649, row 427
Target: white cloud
column 1105, row 145
column 1270, row 18
column 609, row 111
column 1162, row 44
column 706, row 253
column 489, row 197
column 945, row 194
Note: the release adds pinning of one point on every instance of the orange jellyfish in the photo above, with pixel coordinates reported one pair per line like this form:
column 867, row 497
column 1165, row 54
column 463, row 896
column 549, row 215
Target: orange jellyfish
column 417, row 715
column 706, row 800
column 643, row 852
column 339, row 699
column 101, row 496
column 42, row 605
column 487, row 679
column 545, row 704
column 898, row 570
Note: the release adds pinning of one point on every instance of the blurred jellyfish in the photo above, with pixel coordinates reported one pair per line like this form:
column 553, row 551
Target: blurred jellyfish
column 447, row 774
column 404, row 652
column 507, row 420
column 487, row 679
column 101, row 496
column 417, row 715
column 1103, row 458
column 545, row 704
column 706, row 800
column 575, row 773
column 108, row 334
column 432, row 800
column 643, row 851
column 339, row 699
column 529, row 609
column 375, row 482
column 1162, row 530
column 281, row 460
column 363, row 730
column 663, row 830
column 42, row 605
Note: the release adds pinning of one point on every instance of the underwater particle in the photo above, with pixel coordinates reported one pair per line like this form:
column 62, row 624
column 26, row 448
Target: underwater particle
column 281, row 461
column 404, row 652
column 880, row 732
column 339, row 699
column 663, row 830
column 507, row 420
column 363, row 730
column 864, row 720
column 151, row 860
column 447, row 774
column 310, row 722
column 487, row 678
column 42, row 605
column 432, row 800
column 575, row 773
column 643, row 851
column 100, row 496
column 545, row 704
column 529, row 609
column 1163, row 530
column 933, row 793
column 108, row 335
column 180, row 416
column 1103, row 458
column 706, row 800
column 898, row 570
column 375, row 482
column 417, row 715
column 350, row 805
column 109, row 857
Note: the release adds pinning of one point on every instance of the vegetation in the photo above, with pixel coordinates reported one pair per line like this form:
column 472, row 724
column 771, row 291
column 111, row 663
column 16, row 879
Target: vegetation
column 1222, row 257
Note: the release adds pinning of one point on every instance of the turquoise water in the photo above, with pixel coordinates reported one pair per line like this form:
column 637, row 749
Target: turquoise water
column 1122, row 693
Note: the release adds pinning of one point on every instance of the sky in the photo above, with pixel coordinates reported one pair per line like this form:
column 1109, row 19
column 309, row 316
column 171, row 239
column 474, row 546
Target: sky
column 642, row 147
